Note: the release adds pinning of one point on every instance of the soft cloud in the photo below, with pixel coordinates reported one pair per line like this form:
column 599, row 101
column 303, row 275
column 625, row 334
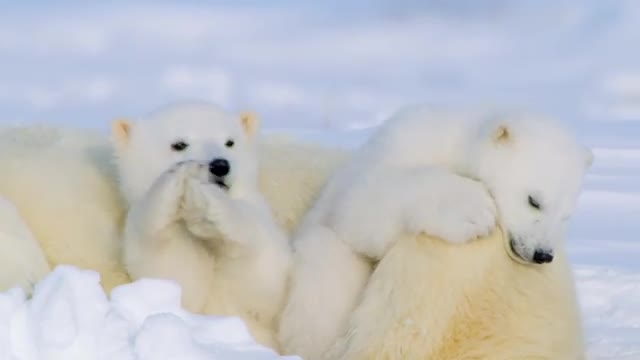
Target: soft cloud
column 624, row 83
column 40, row 97
column 151, row 28
column 620, row 97
column 279, row 94
column 313, row 63
column 371, row 45
column 94, row 90
column 212, row 84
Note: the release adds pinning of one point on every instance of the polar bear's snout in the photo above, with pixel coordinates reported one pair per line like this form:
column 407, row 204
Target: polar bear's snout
column 520, row 248
column 219, row 169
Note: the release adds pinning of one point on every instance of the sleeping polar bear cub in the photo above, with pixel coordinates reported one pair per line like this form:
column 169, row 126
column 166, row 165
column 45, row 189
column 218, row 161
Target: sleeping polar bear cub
column 189, row 174
column 414, row 176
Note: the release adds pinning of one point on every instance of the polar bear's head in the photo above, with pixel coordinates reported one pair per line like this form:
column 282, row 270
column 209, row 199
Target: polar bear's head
column 189, row 131
column 534, row 169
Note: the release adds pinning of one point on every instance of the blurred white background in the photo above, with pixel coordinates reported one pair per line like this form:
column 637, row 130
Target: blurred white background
column 324, row 64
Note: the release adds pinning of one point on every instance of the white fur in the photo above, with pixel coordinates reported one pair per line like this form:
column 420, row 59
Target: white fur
column 27, row 265
column 64, row 184
column 408, row 180
column 428, row 299
column 382, row 205
column 61, row 183
column 222, row 246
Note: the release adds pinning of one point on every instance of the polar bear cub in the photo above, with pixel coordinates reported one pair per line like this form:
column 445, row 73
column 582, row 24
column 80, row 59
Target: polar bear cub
column 531, row 166
column 189, row 174
column 427, row 171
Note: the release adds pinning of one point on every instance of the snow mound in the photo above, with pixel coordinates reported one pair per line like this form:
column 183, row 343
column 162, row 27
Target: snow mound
column 70, row 317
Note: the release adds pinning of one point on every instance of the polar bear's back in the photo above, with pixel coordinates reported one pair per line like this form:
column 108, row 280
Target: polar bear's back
column 292, row 173
column 434, row 300
column 62, row 181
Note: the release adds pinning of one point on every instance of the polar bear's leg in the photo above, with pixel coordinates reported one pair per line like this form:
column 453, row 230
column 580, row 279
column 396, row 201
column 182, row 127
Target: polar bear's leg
column 254, row 256
column 22, row 260
column 427, row 200
column 327, row 280
column 152, row 246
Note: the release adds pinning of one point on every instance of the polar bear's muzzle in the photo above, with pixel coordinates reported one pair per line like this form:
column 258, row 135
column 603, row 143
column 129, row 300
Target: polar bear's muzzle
column 219, row 168
column 521, row 252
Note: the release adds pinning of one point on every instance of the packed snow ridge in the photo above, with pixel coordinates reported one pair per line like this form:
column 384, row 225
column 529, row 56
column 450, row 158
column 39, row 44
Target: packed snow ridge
column 69, row 317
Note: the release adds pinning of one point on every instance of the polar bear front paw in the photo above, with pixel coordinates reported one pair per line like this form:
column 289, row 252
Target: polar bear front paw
column 161, row 204
column 207, row 210
column 189, row 169
column 201, row 199
column 458, row 210
column 170, row 186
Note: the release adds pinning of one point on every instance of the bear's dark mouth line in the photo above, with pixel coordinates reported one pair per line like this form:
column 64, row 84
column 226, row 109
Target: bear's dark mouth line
column 220, row 182
column 513, row 249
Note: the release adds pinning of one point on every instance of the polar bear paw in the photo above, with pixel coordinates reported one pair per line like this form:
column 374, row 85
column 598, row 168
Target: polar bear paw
column 202, row 198
column 189, row 169
column 458, row 210
column 208, row 211
column 170, row 186
column 161, row 203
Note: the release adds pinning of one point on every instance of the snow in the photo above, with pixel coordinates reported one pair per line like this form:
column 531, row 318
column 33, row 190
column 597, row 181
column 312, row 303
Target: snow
column 70, row 317
column 610, row 304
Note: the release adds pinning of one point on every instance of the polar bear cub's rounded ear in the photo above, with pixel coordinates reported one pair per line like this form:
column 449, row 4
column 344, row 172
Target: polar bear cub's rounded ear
column 250, row 122
column 121, row 131
column 497, row 128
column 501, row 134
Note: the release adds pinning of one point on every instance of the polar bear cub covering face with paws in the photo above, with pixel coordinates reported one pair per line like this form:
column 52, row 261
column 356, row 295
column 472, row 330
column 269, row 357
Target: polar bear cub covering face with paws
column 189, row 174
column 427, row 172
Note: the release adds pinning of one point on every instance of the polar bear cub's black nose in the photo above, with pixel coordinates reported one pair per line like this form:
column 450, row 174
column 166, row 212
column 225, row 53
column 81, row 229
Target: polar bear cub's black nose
column 219, row 167
column 542, row 256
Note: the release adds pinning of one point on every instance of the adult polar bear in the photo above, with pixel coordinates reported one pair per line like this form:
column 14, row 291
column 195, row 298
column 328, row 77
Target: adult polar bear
column 386, row 192
column 431, row 300
column 61, row 186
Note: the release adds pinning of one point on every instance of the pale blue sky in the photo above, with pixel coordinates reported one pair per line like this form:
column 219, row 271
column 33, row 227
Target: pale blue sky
column 333, row 63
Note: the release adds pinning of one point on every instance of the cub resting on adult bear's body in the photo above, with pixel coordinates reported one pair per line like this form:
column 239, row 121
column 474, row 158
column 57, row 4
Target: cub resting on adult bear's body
column 428, row 299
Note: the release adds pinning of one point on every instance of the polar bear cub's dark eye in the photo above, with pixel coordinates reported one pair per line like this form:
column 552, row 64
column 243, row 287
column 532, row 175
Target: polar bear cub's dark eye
column 534, row 203
column 179, row 145
column 229, row 143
